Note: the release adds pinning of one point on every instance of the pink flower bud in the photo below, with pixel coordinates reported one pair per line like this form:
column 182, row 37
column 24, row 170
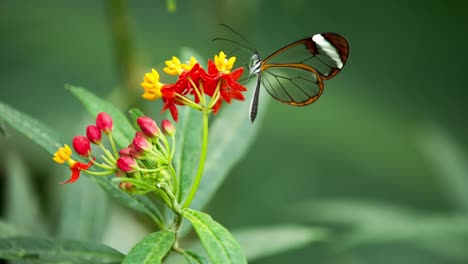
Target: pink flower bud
column 82, row 146
column 104, row 122
column 140, row 143
column 148, row 126
column 135, row 154
column 125, row 152
column 93, row 134
column 127, row 164
column 168, row 128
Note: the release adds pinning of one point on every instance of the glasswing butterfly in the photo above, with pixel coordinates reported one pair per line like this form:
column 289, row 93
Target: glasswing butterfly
column 294, row 74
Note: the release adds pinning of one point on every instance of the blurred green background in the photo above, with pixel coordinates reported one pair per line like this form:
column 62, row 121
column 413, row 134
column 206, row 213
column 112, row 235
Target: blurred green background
column 381, row 157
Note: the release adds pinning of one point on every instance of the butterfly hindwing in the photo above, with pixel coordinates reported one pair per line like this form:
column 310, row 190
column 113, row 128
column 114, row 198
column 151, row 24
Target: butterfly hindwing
column 292, row 85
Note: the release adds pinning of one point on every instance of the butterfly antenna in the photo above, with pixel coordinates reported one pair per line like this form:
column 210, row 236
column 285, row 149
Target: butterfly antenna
column 239, row 35
column 235, row 42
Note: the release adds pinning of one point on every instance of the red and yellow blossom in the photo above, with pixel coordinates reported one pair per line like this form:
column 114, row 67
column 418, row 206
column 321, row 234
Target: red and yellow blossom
column 63, row 155
column 220, row 83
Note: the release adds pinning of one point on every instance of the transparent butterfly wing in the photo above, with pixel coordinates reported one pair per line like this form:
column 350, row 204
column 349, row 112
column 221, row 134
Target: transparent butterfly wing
column 292, row 85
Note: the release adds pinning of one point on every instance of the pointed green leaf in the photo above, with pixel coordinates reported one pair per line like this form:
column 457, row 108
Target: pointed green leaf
column 259, row 242
column 230, row 136
column 31, row 128
column 217, row 241
column 151, row 249
column 123, row 131
column 374, row 223
column 57, row 251
column 447, row 157
column 189, row 139
column 134, row 115
column 84, row 211
column 138, row 203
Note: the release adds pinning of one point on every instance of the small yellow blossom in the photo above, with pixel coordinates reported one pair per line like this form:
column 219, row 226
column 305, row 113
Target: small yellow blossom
column 174, row 66
column 223, row 64
column 152, row 85
column 62, row 154
column 191, row 63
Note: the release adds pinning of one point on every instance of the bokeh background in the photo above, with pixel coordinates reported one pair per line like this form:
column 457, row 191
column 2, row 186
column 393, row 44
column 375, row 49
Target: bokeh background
column 381, row 158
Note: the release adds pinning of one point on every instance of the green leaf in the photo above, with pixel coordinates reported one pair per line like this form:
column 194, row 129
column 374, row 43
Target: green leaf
column 138, row 203
column 31, row 128
column 57, row 251
column 22, row 202
column 217, row 241
column 123, row 131
column 230, row 136
column 189, row 141
column 450, row 161
column 259, row 242
column 135, row 113
column 151, row 249
column 85, row 211
column 374, row 223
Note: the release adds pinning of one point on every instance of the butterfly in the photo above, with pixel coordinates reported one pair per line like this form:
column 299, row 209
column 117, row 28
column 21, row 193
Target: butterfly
column 295, row 73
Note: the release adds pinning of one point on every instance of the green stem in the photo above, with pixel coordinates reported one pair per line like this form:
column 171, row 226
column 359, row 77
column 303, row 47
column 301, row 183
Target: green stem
column 201, row 165
column 116, row 154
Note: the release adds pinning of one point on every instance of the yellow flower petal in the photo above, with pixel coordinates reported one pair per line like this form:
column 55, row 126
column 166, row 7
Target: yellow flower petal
column 149, row 77
column 146, row 85
column 190, row 64
column 222, row 63
column 62, row 154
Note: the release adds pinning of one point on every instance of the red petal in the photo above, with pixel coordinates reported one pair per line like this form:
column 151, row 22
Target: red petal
column 168, row 92
column 174, row 112
column 216, row 106
column 76, row 169
column 237, row 73
column 212, row 68
column 74, row 176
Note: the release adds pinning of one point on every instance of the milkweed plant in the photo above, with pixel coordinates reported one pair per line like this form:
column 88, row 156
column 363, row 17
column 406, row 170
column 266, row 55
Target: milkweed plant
column 143, row 165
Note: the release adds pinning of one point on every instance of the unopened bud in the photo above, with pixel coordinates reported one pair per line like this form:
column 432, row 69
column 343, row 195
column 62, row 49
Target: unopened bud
column 93, row 134
column 148, row 127
column 168, row 128
column 104, row 122
column 82, row 146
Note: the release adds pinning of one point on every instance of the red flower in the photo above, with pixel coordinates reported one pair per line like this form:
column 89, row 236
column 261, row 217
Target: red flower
column 229, row 87
column 182, row 86
column 76, row 167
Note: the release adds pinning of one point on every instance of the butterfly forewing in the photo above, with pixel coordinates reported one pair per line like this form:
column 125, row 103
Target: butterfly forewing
column 292, row 85
column 326, row 53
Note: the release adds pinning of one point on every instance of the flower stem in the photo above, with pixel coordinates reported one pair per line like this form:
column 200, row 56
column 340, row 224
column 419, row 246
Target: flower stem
column 201, row 165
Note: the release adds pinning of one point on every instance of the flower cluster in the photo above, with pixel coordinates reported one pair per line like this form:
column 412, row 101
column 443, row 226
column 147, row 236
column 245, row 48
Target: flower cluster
column 219, row 82
column 145, row 165
column 147, row 161
column 82, row 146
